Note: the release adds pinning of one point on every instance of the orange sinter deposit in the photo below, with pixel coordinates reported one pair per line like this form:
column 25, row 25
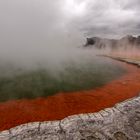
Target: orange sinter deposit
column 61, row 105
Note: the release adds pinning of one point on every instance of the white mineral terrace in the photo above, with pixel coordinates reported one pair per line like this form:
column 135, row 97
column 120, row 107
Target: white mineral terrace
column 121, row 122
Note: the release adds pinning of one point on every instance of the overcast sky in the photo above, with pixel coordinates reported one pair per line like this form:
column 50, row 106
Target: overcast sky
column 112, row 17
column 36, row 19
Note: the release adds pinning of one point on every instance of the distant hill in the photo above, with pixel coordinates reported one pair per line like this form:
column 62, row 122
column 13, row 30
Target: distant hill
column 125, row 42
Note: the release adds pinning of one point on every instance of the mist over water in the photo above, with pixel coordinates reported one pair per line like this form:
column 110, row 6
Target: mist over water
column 38, row 34
column 62, row 64
column 41, row 50
column 44, row 33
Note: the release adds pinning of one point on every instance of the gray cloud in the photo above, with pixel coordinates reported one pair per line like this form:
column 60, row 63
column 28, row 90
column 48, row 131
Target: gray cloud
column 113, row 18
column 37, row 19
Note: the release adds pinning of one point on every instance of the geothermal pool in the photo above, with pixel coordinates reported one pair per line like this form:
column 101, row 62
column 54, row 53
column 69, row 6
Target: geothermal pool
column 89, row 73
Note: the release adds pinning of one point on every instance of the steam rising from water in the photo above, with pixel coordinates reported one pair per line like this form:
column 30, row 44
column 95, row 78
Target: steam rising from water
column 43, row 33
column 41, row 50
column 39, row 34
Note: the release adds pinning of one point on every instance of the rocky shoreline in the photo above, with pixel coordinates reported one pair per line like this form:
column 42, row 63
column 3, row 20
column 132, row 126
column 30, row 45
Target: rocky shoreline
column 127, row 60
column 122, row 122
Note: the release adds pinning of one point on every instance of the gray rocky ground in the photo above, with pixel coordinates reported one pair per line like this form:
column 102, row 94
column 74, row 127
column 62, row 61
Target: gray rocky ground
column 122, row 122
